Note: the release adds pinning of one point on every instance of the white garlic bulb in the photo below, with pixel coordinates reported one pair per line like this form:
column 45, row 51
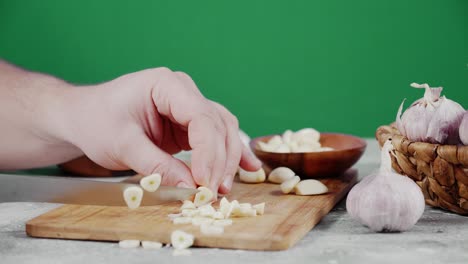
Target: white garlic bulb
column 385, row 200
column 433, row 118
column 464, row 129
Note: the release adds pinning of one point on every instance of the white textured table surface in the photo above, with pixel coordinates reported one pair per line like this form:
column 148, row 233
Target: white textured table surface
column 438, row 237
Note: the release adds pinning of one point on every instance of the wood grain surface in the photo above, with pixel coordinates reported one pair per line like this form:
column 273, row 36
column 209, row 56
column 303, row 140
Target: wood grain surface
column 287, row 219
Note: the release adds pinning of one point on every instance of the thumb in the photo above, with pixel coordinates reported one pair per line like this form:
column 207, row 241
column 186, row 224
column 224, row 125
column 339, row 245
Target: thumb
column 145, row 158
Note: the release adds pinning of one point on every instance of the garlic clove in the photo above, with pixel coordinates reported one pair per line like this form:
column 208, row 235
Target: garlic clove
column 265, row 147
column 181, row 239
column 224, row 202
column 151, row 245
column 280, row 174
column 188, row 205
column 287, row 136
column 306, row 134
column 252, row 176
column 275, row 141
column 310, row 187
column 129, row 243
column 133, row 196
column 260, row 208
column 204, row 196
column 288, row 186
column 151, row 182
column 283, row 148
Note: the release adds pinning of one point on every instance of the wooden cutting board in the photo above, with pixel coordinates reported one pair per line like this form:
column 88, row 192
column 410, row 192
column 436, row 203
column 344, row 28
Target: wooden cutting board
column 287, row 219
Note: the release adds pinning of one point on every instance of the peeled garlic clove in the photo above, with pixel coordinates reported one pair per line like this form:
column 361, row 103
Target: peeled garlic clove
column 181, row 239
column 211, row 230
column 288, row 186
column 252, row 176
column 265, row 147
column 275, row 141
column 307, row 134
column 151, row 245
column 310, row 187
column 386, row 201
column 133, row 196
column 260, row 208
column 129, row 243
column 287, row 135
column 283, row 148
column 203, row 197
column 151, row 182
column 280, row 174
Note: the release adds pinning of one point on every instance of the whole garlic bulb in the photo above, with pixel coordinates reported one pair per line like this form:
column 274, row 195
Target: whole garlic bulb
column 433, row 118
column 385, row 200
column 463, row 131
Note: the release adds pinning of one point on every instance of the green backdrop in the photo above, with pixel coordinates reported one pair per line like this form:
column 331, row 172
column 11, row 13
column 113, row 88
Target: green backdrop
column 334, row 65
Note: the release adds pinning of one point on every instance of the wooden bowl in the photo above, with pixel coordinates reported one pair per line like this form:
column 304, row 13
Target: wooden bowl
column 347, row 151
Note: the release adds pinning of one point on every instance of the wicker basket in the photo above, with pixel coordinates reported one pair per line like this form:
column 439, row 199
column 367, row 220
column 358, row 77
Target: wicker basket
column 440, row 170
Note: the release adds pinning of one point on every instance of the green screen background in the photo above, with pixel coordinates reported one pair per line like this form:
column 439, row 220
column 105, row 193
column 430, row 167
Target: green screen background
column 341, row 66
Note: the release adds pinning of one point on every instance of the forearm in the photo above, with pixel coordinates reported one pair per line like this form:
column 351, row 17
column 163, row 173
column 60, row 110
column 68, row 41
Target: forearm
column 32, row 115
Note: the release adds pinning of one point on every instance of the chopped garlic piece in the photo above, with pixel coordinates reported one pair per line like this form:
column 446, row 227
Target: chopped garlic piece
column 288, row 186
column 222, row 222
column 211, row 230
column 260, row 208
column 182, row 220
column 151, row 245
column 181, row 239
column 204, row 196
column 189, row 212
column 133, row 196
column 218, row 215
column 224, row 201
column 206, row 210
column 197, row 221
column 181, row 252
column 188, row 205
column 129, row 243
column 151, row 182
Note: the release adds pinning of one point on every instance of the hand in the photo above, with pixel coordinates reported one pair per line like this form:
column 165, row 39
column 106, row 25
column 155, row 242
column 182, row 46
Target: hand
column 139, row 120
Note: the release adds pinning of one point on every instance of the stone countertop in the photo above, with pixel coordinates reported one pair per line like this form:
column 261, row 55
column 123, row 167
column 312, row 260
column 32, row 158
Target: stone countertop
column 438, row 237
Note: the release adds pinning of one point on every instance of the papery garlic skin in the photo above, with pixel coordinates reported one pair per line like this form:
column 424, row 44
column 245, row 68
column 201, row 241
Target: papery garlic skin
column 463, row 131
column 385, row 200
column 433, row 118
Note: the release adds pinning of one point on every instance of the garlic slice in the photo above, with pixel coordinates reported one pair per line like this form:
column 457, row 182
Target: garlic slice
column 280, row 174
column 211, row 230
column 218, row 215
column 133, row 196
column 206, row 210
column 182, row 220
column 222, row 222
column 252, row 176
column 151, row 245
column 129, row 243
column 188, row 205
column 151, row 182
column 260, row 208
column 310, row 187
column 181, row 239
column 204, row 196
column 288, row 186
column 189, row 212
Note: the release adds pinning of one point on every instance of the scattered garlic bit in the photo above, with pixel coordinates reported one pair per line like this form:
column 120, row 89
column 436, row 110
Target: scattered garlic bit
column 252, row 176
column 129, row 243
column 260, row 208
column 151, row 245
column 288, row 186
column 181, row 239
column 133, row 196
column 222, row 222
column 310, row 187
column 280, row 174
column 190, row 212
column 188, row 205
column 204, row 196
column 198, row 221
column 211, row 230
column 151, row 183
column 182, row 220
column 181, row 252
